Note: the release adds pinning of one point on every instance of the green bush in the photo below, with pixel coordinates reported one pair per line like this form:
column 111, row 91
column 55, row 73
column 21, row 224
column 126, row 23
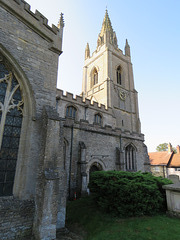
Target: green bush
column 128, row 194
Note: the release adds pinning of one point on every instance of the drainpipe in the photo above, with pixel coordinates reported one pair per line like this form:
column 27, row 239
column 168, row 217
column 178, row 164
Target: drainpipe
column 120, row 142
column 70, row 160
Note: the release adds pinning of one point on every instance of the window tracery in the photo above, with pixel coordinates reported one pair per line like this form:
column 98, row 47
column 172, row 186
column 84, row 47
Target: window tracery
column 130, row 158
column 11, row 111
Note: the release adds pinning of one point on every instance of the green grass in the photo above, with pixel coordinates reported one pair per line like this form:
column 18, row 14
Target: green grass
column 84, row 215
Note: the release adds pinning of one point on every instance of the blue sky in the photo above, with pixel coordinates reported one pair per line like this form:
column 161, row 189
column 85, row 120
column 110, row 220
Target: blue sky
column 153, row 31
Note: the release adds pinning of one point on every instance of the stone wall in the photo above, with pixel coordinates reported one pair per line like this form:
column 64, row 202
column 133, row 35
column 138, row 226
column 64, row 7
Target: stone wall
column 31, row 48
column 100, row 144
column 159, row 171
column 16, row 218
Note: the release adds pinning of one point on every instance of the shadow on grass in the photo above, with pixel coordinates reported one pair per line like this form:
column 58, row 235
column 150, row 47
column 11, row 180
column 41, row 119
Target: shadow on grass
column 84, row 218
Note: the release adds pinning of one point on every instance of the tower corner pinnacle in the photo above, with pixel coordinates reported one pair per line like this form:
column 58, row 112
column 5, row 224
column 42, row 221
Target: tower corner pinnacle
column 127, row 49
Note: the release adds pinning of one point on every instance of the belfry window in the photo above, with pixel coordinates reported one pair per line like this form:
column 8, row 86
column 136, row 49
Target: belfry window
column 94, row 77
column 130, row 158
column 97, row 118
column 71, row 112
column 11, row 113
column 118, row 75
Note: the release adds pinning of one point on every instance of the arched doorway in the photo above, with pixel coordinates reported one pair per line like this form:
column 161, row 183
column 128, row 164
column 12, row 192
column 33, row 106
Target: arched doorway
column 94, row 168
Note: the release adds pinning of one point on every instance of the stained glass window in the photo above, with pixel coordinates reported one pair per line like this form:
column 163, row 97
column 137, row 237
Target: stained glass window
column 11, row 105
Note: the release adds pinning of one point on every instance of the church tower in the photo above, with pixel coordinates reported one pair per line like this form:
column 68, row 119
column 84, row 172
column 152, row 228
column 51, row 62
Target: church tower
column 108, row 78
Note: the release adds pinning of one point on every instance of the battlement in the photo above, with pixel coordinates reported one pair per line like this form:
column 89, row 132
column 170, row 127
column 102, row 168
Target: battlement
column 79, row 99
column 36, row 21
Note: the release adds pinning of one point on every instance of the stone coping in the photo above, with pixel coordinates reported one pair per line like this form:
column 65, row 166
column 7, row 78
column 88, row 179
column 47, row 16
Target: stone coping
column 173, row 187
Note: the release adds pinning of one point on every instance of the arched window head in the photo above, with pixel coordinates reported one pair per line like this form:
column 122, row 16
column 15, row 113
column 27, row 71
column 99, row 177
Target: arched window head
column 98, row 118
column 94, row 79
column 118, row 75
column 130, row 158
column 71, row 112
column 11, row 114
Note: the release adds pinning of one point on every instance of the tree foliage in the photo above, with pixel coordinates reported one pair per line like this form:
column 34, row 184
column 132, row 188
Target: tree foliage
column 164, row 147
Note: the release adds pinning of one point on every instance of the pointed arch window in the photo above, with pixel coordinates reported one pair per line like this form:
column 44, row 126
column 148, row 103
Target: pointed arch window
column 94, row 79
column 98, row 118
column 118, row 75
column 11, row 114
column 71, row 112
column 130, row 158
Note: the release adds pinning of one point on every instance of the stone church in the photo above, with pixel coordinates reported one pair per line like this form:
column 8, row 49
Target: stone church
column 50, row 142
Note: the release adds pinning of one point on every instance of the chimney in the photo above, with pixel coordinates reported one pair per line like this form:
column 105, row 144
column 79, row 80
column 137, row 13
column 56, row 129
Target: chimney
column 178, row 149
column 169, row 148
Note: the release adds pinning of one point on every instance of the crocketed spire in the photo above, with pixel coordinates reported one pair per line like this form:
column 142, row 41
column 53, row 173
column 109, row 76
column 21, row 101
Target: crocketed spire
column 107, row 35
column 106, row 26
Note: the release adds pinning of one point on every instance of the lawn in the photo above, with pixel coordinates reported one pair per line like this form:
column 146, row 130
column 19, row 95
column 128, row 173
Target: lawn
column 83, row 215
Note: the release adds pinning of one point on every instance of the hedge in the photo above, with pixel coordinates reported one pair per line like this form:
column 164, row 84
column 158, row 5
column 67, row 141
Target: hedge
column 128, row 194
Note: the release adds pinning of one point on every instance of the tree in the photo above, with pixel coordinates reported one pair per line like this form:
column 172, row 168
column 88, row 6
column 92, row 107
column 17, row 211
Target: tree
column 164, row 147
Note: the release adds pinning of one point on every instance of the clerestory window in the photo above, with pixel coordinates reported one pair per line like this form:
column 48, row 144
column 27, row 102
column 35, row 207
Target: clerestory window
column 98, row 118
column 71, row 112
column 118, row 75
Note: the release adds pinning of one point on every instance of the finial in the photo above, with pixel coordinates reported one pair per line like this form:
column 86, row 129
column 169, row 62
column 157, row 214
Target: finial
column 61, row 21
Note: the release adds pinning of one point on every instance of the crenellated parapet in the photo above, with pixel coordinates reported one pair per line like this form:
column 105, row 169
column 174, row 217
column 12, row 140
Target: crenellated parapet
column 37, row 22
column 86, row 124
column 79, row 100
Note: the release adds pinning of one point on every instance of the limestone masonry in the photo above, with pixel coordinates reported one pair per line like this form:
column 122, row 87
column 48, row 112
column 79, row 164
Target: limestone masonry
column 50, row 142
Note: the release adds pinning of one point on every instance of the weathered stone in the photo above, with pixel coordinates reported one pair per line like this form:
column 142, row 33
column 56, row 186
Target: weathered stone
column 63, row 139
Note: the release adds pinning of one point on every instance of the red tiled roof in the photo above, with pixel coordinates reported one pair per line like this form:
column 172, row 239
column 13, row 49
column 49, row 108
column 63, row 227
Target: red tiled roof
column 175, row 162
column 159, row 158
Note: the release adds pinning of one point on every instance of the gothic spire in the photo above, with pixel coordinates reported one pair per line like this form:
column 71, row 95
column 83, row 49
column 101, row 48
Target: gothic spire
column 107, row 35
column 106, row 26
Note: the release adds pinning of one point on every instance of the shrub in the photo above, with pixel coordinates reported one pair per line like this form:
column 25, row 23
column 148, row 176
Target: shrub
column 128, row 194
